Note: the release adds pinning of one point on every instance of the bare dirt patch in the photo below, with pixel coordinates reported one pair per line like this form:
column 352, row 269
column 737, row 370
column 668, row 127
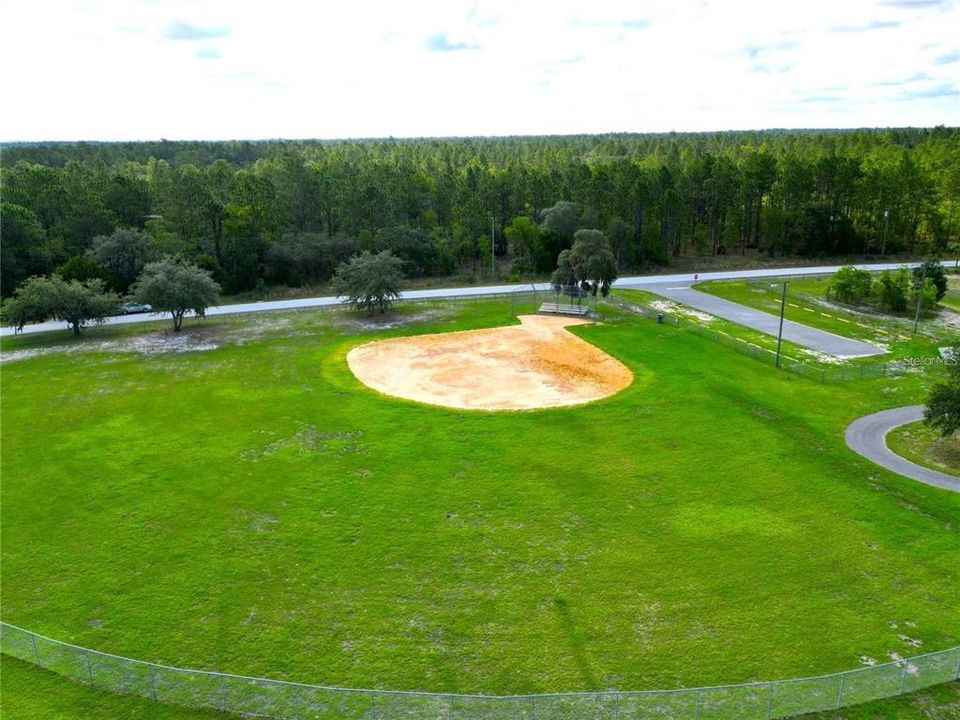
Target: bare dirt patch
column 949, row 318
column 536, row 364
column 193, row 338
column 672, row 308
column 152, row 343
column 388, row 321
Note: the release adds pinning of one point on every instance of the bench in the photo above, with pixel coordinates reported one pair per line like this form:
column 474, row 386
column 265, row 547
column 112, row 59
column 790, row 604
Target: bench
column 564, row 309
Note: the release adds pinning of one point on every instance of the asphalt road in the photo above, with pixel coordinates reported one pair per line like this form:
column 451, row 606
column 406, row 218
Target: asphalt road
column 809, row 337
column 637, row 281
column 867, row 436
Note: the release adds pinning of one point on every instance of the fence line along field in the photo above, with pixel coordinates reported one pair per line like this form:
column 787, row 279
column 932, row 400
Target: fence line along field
column 264, row 697
column 245, row 504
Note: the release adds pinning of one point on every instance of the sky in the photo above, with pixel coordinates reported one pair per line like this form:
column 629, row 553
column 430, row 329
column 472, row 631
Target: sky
column 212, row 69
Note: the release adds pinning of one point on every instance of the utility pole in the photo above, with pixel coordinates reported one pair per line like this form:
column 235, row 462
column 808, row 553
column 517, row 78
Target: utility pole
column 783, row 309
column 880, row 208
column 950, row 227
column 493, row 251
column 157, row 219
column 886, row 222
column 923, row 279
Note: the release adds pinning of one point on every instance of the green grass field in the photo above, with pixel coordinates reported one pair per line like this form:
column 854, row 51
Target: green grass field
column 952, row 299
column 925, row 446
column 807, row 304
column 248, row 506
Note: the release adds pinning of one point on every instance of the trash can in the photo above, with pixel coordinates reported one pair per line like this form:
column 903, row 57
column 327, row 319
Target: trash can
column 659, row 318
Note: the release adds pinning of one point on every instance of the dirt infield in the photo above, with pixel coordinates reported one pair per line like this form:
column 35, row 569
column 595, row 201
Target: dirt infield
column 536, row 364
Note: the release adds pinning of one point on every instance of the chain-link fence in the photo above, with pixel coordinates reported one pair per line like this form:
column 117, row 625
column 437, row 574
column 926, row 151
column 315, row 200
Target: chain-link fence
column 525, row 301
column 514, row 302
column 874, row 317
column 817, row 372
column 259, row 697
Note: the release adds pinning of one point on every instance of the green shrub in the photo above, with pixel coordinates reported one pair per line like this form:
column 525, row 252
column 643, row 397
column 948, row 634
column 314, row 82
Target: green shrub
column 892, row 289
column 934, row 272
column 850, row 285
column 928, row 296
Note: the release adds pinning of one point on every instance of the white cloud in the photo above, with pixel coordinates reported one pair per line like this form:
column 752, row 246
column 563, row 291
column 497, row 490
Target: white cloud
column 117, row 69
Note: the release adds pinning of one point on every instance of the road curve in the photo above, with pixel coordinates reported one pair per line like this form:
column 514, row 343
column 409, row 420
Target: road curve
column 635, row 281
column 867, row 436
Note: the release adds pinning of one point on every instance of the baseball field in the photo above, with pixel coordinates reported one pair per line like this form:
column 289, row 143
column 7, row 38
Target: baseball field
column 237, row 499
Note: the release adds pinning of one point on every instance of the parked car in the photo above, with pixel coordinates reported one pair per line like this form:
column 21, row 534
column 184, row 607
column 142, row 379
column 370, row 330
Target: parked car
column 133, row 308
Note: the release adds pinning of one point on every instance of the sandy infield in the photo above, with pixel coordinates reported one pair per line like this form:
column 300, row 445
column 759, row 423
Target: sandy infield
column 536, row 364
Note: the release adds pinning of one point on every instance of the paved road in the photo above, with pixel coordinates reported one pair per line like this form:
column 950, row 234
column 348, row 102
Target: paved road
column 636, row 281
column 809, row 337
column 868, row 437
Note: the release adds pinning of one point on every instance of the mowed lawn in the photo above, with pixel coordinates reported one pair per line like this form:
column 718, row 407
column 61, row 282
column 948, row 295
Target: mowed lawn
column 926, row 446
column 952, row 299
column 254, row 509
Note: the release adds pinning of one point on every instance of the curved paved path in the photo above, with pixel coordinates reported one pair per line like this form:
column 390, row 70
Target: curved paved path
column 867, row 436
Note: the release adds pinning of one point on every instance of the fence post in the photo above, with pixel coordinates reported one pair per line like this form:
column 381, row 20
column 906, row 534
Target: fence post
column 696, row 713
column 36, row 653
column 958, row 668
column 223, row 694
column 770, row 701
column 903, row 677
column 153, row 682
column 296, row 702
column 617, row 711
column 373, row 705
column 86, row 656
column 843, row 677
column 533, row 708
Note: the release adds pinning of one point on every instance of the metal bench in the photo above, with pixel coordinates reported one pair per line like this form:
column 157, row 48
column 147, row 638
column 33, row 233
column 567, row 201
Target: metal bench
column 564, row 309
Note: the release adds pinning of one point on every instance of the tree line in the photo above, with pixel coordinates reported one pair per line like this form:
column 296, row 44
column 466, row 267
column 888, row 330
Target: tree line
column 168, row 285
column 290, row 213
